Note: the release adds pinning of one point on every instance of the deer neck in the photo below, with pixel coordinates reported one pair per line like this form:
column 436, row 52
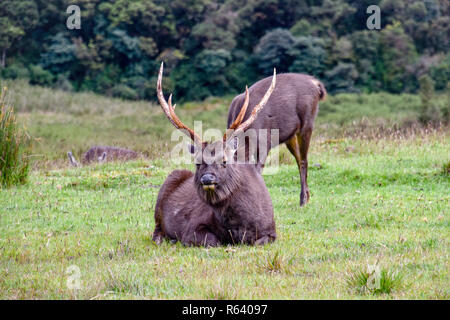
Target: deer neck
column 239, row 199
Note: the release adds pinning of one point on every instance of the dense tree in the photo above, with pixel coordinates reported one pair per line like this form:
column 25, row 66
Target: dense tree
column 216, row 47
column 60, row 55
column 342, row 78
column 398, row 52
column 440, row 72
column 365, row 46
column 16, row 17
column 309, row 56
column 275, row 49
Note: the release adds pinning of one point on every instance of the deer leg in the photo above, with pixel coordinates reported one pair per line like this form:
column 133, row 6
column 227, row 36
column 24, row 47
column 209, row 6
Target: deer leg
column 262, row 152
column 201, row 238
column 294, row 147
column 158, row 235
column 304, row 138
column 264, row 240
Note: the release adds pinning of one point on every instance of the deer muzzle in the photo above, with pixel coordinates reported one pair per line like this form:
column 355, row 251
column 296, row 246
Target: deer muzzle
column 208, row 181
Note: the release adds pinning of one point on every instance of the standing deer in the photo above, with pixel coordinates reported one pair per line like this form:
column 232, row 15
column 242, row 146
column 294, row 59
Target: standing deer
column 292, row 109
column 223, row 202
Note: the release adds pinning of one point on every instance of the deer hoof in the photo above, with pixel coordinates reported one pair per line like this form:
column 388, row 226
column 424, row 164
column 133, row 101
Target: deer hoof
column 304, row 198
column 157, row 239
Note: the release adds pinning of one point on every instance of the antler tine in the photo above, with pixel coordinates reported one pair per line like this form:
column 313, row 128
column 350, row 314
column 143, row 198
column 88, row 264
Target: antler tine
column 243, row 126
column 169, row 110
column 240, row 116
column 170, row 103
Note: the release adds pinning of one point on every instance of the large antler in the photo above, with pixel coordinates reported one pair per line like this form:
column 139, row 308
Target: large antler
column 169, row 110
column 239, row 117
column 241, row 127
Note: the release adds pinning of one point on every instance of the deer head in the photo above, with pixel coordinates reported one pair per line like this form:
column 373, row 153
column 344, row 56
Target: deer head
column 217, row 174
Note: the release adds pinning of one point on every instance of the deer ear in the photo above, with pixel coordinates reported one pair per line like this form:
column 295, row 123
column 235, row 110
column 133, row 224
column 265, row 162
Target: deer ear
column 196, row 152
column 191, row 148
column 233, row 144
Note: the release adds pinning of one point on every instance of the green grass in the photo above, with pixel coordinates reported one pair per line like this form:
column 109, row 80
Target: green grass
column 63, row 121
column 376, row 199
column 385, row 201
column 372, row 281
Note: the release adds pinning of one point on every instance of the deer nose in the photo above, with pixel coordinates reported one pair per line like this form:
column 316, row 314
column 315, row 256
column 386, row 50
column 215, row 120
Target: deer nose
column 208, row 178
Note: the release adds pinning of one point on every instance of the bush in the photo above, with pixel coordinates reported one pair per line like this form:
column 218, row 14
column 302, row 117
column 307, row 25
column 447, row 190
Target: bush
column 123, row 91
column 341, row 78
column 40, row 76
column 274, row 50
column 441, row 73
column 429, row 112
column 62, row 83
column 15, row 71
column 14, row 147
column 310, row 56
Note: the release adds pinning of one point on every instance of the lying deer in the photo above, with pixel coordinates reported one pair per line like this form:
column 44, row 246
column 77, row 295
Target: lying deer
column 102, row 154
column 223, row 202
column 292, row 109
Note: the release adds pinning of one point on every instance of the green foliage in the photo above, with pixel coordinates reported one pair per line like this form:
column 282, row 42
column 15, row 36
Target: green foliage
column 62, row 83
column 375, row 281
column 398, row 52
column 103, row 80
column 40, row 76
column 60, row 54
column 126, row 45
column 301, row 28
column 16, row 17
column 365, row 46
column 14, row 147
column 430, row 112
column 274, row 50
column 440, row 73
column 309, row 56
column 14, row 71
column 217, row 47
column 124, row 91
column 342, row 78
column 208, row 76
column 213, row 61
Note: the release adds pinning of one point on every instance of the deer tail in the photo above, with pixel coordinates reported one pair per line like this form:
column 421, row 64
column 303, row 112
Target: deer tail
column 322, row 91
column 321, row 88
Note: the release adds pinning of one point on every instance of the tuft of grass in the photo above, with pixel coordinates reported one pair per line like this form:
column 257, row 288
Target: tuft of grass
column 223, row 290
column 128, row 283
column 14, row 146
column 446, row 168
column 374, row 280
column 275, row 263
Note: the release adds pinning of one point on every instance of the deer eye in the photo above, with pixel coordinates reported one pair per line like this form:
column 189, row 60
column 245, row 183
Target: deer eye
column 199, row 165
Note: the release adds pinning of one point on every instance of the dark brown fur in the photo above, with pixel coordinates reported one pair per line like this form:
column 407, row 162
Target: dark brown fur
column 292, row 108
column 237, row 210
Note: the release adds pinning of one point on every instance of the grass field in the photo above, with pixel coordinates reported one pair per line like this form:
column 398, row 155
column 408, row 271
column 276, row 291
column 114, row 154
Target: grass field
column 378, row 198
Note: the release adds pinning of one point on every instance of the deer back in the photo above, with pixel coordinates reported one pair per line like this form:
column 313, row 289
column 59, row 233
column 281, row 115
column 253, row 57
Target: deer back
column 293, row 103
